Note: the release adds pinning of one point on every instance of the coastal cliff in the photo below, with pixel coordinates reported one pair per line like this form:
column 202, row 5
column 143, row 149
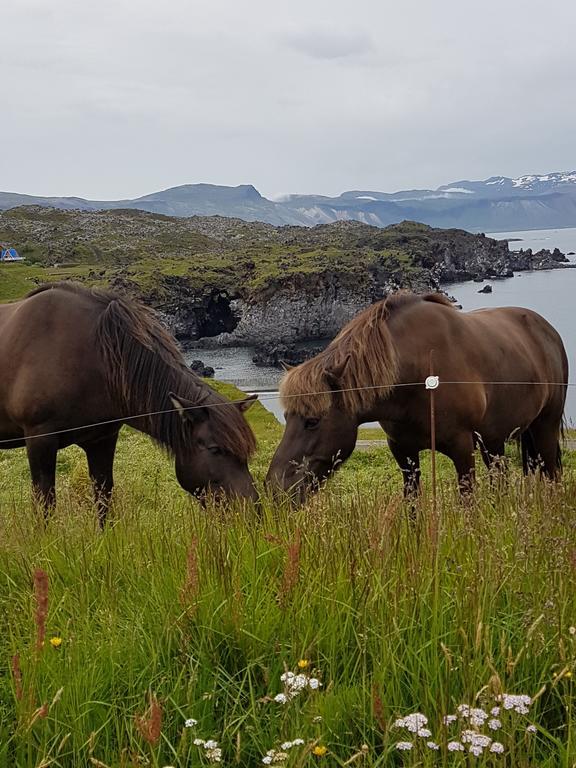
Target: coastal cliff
column 217, row 281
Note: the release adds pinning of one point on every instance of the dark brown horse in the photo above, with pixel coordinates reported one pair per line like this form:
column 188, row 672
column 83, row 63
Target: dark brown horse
column 359, row 378
column 71, row 358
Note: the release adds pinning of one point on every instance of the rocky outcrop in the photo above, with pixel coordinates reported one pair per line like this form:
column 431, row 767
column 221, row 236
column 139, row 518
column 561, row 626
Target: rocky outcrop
column 279, row 355
column 201, row 369
column 543, row 259
column 308, row 307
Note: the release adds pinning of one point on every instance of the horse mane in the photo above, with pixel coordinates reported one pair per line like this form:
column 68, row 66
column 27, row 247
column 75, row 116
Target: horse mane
column 142, row 364
column 371, row 369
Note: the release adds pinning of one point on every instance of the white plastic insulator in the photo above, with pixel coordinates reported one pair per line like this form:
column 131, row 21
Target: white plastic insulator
column 432, row 382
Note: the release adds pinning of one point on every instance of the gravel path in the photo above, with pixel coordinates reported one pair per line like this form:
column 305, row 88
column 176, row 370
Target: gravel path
column 370, row 445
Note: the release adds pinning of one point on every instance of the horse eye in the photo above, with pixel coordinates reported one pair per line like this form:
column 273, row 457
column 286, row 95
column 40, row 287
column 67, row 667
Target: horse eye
column 215, row 450
column 311, row 423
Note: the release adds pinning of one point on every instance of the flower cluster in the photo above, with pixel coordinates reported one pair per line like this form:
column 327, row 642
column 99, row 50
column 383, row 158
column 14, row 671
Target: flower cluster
column 294, row 684
column 212, row 751
column 415, row 723
column 471, row 721
column 520, row 703
column 474, row 715
column 276, row 757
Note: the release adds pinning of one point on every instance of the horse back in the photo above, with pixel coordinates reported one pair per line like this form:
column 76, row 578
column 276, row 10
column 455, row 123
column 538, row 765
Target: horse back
column 49, row 365
column 499, row 369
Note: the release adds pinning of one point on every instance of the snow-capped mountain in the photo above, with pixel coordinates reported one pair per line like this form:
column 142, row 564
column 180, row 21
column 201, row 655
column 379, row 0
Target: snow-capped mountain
column 499, row 203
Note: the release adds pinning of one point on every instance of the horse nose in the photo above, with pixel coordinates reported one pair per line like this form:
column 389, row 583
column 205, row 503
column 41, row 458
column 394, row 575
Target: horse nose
column 275, row 479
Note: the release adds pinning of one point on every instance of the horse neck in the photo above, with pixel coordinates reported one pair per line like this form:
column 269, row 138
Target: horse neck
column 161, row 421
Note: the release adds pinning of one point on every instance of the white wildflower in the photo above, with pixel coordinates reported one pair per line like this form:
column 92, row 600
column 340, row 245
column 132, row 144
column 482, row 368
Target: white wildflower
column 287, row 676
column 531, row 729
column 572, row 630
column 455, row 746
column 425, row 733
column 463, row 710
column 432, row 745
column 495, row 711
column 267, row 760
column 497, row 747
column 210, row 744
column 494, row 724
column 475, row 739
column 477, row 716
column 404, row 745
column 317, row 719
column 414, row 722
column 299, row 682
column 314, row 683
column 518, row 702
column 281, row 698
column 190, row 723
column 449, row 719
column 199, row 742
column 476, row 749
column 297, row 742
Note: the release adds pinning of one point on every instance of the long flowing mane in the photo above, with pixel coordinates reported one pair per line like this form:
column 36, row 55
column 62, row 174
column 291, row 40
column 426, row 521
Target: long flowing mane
column 371, row 370
column 142, row 364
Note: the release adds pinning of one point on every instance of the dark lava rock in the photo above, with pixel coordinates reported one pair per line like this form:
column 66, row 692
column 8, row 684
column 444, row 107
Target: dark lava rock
column 206, row 371
column 291, row 354
column 486, row 289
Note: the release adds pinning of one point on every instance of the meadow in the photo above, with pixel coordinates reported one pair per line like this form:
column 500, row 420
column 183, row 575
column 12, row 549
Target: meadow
column 354, row 631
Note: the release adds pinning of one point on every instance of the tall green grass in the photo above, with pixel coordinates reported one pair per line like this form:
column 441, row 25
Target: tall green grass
column 175, row 612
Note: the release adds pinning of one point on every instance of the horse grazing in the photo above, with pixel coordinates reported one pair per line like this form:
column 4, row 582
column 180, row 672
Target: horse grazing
column 77, row 363
column 512, row 361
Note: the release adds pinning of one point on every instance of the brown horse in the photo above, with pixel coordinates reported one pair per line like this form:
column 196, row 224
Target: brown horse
column 76, row 363
column 512, row 361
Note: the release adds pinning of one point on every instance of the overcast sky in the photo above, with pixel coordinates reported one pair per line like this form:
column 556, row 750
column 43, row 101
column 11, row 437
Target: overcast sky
column 117, row 98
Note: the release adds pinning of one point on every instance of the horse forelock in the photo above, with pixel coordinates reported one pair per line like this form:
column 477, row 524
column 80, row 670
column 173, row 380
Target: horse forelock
column 365, row 350
column 372, row 367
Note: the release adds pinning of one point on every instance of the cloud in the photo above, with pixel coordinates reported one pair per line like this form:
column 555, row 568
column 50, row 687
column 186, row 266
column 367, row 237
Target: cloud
column 329, row 44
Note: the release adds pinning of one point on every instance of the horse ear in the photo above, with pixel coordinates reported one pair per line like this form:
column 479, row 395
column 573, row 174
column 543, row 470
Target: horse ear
column 188, row 410
column 334, row 373
column 243, row 405
column 286, row 366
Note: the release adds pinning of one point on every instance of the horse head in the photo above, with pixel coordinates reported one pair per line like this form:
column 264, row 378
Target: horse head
column 212, row 462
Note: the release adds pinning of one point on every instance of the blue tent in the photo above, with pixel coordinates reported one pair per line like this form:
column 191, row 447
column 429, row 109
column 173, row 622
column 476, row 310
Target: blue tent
column 10, row 254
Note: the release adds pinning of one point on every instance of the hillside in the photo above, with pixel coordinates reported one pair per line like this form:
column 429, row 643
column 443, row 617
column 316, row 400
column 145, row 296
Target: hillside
column 496, row 204
column 257, row 283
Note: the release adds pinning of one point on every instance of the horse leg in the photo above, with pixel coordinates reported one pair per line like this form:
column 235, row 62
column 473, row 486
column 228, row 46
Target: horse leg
column 42, row 461
column 409, row 462
column 100, row 456
column 461, row 451
column 541, row 448
column 493, row 456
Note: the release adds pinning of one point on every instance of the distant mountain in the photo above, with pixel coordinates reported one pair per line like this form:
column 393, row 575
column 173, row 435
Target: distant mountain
column 495, row 204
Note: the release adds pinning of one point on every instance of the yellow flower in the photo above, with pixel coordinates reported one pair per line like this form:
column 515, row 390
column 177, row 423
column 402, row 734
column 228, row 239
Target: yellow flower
column 568, row 674
column 319, row 751
column 55, row 642
column 303, row 663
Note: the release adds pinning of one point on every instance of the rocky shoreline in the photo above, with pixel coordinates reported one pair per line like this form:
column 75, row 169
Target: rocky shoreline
column 299, row 317
column 219, row 282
